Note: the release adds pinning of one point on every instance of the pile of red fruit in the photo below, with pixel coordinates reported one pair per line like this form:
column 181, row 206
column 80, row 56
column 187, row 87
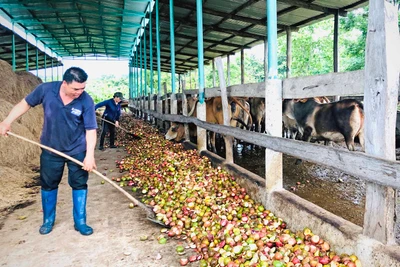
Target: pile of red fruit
column 214, row 213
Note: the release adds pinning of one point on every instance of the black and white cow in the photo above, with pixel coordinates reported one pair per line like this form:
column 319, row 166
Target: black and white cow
column 336, row 121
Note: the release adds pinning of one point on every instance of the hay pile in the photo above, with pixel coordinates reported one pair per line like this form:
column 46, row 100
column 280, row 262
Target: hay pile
column 18, row 158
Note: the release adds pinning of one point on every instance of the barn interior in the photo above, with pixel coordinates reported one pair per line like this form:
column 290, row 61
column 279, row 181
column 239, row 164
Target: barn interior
column 40, row 34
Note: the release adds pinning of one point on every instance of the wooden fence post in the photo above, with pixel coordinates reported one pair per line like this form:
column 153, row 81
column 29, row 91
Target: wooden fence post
column 382, row 67
column 225, row 110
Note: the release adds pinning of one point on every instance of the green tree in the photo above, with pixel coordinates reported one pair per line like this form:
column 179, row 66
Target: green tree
column 353, row 35
column 104, row 87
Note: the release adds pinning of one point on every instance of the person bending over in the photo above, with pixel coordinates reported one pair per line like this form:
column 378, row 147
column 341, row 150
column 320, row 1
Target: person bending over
column 69, row 127
column 111, row 114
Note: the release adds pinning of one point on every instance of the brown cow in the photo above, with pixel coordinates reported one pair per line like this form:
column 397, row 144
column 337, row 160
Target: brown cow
column 177, row 131
column 213, row 115
column 332, row 121
column 257, row 110
column 241, row 116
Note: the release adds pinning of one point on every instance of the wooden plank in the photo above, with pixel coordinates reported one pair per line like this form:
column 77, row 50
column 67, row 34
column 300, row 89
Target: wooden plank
column 166, row 103
column 331, row 84
column 201, row 132
column 273, row 126
column 382, row 68
column 174, row 104
column 366, row 167
column 225, row 110
column 185, row 109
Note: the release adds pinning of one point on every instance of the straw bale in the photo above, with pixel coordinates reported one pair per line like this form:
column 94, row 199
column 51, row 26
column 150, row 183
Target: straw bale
column 26, row 82
column 14, row 187
column 14, row 152
column 33, row 119
column 8, row 82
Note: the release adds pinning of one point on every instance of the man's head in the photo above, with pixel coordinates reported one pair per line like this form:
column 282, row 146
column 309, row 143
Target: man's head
column 118, row 97
column 74, row 82
column 75, row 74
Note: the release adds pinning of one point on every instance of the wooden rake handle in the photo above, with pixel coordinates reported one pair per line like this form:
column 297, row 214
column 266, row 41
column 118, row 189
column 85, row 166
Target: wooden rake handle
column 125, row 130
column 134, row 200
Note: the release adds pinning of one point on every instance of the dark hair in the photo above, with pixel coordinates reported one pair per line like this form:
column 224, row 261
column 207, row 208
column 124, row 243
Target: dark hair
column 75, row 74
column 118, row 94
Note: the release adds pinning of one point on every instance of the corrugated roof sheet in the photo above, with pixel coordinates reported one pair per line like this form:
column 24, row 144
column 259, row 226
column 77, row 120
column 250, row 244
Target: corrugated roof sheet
column 109, row 28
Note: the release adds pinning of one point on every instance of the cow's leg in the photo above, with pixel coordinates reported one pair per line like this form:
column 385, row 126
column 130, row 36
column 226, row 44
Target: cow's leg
column 212, row 142
column 349, row 139
column 259, row 125
column 307, row 134
column 328, row 143
column 361, row 140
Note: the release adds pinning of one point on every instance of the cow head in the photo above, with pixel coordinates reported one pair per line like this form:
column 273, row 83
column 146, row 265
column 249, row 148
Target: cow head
column 175, row 132
column 288, row 107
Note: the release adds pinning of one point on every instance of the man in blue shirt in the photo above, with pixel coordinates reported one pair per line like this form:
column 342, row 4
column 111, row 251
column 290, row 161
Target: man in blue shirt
column 112, row 114
column 69, row 127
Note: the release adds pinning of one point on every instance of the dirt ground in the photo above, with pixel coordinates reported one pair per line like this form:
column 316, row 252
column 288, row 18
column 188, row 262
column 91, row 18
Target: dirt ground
column 117, row 230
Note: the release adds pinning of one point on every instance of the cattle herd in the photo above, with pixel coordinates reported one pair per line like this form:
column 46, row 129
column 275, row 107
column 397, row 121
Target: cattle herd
column 308, row 119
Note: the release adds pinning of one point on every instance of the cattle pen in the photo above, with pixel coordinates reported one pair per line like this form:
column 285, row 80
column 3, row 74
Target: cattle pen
column 185, row 35
column 375, row 241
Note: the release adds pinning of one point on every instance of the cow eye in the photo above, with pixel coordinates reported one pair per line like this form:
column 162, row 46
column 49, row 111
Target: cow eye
column 175, row 128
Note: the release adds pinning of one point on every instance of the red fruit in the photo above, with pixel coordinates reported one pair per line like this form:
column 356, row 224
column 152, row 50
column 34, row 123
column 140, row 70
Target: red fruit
column 336, row 258
column 324, row 260
column 183, row 261
column 295, row 260
column 193, row 258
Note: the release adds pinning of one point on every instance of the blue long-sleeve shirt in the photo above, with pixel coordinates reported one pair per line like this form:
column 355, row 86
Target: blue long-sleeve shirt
column 113, row 110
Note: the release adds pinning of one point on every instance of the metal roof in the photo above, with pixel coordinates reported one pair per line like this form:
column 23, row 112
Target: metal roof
column 20, row 52
column 109, row 28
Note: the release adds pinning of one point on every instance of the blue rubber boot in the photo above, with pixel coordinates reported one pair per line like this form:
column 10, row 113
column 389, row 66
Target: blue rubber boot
column 79, row 199
column 49, row 202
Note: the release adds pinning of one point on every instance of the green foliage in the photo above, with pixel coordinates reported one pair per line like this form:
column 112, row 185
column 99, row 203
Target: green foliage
column 105, row 87
column 353, row 40
column 312, row 50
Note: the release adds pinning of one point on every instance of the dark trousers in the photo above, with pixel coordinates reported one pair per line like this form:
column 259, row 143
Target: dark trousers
column 52, row 168
column 104, row 129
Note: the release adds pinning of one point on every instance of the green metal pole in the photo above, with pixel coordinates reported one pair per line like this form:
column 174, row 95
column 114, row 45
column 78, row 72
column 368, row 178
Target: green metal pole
column 133, row 75
column 151, row 54
column 158, row 49
column 137, row 71
column 172, row 43
column 200, row 48
column 141, row 65
column 45, row 65
column 145, row 61
column 272, row 40
column 14, row 65
column 27, row 54
column 37, row 60
column 52, row 73
column 130, row 77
